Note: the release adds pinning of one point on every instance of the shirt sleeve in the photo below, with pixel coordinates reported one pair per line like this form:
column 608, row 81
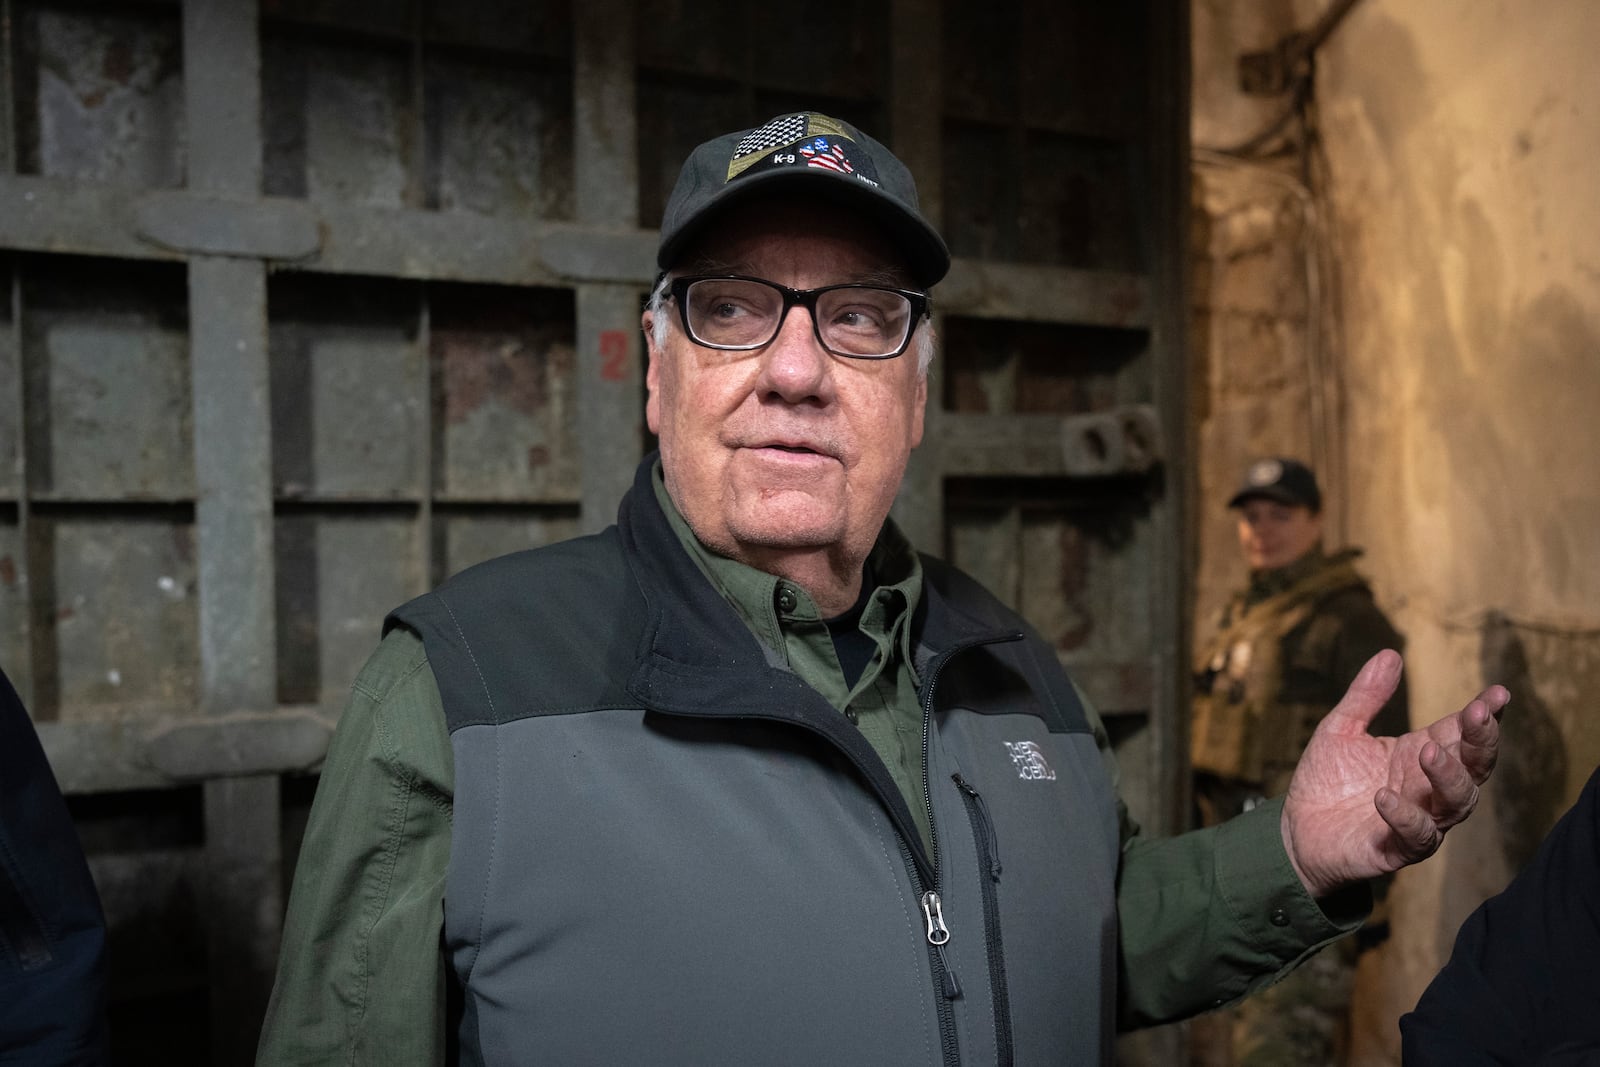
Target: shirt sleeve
column 1208, row 916
column 1211, row 915
column 361, row 976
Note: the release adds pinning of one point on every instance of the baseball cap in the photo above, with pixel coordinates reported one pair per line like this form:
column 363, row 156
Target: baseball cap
column 1288, row 481
column 811, row 155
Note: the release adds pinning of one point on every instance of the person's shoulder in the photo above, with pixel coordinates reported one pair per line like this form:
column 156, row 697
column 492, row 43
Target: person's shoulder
column 395, row 664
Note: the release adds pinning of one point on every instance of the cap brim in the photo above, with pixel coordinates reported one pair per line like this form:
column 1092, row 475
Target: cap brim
column 1273, row 493
column 924, row 250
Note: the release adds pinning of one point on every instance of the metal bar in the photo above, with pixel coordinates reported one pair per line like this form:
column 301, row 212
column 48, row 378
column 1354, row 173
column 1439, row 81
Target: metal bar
column 56, row 215
column 263, row 229
column 233, row 515
column 155, row 751
column 606, row 177
column 415, row 192
column 222, row 95
column 26, row 686
column 916, row 105
column 238, row 636
column 609, row 398
column 51, row 215
column 605, row 134
column 1171, row 515
column 432, row 569
column 244, row 910
column 8, row 89
column 1046, row 294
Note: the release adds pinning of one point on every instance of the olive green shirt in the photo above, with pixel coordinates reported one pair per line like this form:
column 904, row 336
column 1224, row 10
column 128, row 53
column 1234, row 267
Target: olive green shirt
column 361, row 974
column 883, row 702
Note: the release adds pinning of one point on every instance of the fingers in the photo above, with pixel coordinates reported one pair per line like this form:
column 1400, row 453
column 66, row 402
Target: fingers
column 1480, row 732
column 1454, row 762
column 1455, row 788
column 1416, row 834
column 1368, row 693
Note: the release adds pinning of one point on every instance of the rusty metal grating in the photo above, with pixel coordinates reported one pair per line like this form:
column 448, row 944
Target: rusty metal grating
column 310, row 303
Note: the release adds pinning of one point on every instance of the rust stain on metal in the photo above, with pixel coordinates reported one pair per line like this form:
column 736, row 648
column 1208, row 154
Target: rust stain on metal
column 8, row 571
column 538, row 456
column 479, row 369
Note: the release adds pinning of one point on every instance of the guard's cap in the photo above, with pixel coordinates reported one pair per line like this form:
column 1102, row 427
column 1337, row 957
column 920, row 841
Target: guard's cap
column 1288, row 481
column 810, row 155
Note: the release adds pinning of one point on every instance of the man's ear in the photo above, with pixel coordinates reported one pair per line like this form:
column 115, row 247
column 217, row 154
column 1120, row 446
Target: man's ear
column 652, row 374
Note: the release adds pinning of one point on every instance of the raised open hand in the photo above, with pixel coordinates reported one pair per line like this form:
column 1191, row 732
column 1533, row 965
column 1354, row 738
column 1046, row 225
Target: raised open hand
column 1360, row 806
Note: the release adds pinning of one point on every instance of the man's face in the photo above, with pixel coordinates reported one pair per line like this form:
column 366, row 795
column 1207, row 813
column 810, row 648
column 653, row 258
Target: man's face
column 786, row 447
column 1275, row 535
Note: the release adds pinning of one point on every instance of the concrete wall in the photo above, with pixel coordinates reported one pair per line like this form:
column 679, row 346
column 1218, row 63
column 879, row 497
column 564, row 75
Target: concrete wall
column 1458, row 326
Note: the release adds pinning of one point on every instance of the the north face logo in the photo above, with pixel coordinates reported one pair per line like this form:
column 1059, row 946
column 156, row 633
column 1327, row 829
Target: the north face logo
column 1030, row 761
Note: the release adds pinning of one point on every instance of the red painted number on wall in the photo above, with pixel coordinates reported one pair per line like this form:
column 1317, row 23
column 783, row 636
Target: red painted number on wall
column 614, row 355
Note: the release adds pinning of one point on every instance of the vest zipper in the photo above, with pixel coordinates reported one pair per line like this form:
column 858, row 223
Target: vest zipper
column 944, row 979
column 989, row 857
column 938, row 934
column 949, row 987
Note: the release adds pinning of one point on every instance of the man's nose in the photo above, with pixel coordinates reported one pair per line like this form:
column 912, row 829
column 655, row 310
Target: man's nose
column 795, row 366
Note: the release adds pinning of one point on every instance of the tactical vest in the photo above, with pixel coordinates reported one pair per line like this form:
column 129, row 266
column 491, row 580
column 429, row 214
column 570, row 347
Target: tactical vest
column 1240, row 730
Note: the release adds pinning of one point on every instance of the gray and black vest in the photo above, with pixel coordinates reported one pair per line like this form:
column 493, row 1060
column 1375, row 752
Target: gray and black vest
column 667, row 850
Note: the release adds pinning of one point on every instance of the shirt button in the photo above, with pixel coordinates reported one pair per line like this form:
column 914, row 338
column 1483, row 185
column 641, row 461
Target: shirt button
column 787, row 601
column 1279, row 917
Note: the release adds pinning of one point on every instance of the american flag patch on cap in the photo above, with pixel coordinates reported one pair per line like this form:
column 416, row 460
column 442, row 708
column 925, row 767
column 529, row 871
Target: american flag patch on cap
column 786, row 130
column 781, row 133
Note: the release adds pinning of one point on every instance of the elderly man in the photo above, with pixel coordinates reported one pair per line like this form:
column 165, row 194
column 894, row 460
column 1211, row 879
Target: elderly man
column 744, row 779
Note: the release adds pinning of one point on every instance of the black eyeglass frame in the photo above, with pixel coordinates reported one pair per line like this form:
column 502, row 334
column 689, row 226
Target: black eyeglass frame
column 678, row 288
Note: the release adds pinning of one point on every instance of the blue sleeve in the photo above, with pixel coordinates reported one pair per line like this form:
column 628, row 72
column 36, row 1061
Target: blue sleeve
column 52, row 932
column 1520, row 985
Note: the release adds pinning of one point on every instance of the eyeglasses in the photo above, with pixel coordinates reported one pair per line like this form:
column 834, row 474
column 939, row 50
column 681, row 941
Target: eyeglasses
column 737, row 314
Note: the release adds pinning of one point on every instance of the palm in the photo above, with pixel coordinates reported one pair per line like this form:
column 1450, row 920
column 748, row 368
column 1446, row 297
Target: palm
column 1360, row 806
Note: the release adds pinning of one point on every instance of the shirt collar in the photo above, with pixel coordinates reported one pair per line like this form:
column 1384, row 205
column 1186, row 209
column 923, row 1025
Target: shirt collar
column 766, row 602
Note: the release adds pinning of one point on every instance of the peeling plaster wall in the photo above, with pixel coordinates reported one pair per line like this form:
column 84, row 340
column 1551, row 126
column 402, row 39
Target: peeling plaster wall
column 1462, row 375
column 1261, row 366
column 1461, row 141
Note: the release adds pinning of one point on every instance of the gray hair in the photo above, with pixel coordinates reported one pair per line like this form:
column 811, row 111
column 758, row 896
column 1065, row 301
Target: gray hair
column 922, row 339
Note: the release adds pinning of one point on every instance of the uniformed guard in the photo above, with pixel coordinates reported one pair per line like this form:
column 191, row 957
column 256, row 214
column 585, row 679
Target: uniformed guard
column 1282, row 652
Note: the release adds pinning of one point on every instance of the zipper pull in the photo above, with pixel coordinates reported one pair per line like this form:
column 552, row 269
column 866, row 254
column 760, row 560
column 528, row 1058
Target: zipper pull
column 938, row 934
